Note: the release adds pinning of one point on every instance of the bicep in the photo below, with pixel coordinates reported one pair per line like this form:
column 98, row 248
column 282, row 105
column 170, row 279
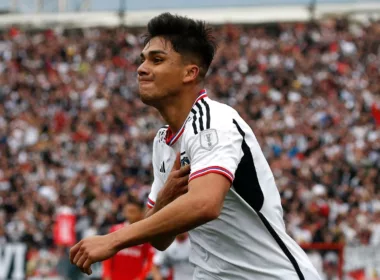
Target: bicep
column 222, row 156
column 212, row 187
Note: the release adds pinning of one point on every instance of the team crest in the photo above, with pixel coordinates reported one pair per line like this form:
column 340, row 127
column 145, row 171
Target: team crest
column 185, row 161
column 209, row 139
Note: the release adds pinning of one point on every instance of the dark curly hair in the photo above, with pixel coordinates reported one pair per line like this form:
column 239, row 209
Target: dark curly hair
column 190, row 38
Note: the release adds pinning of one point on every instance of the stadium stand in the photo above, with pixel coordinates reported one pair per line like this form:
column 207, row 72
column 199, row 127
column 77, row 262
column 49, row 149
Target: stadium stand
column 75, row 140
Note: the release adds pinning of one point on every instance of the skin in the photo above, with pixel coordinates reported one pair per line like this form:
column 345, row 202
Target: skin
column 170, row 83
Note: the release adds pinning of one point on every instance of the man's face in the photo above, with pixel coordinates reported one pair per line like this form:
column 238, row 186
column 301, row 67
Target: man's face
column 161, row 72
column 133, row 213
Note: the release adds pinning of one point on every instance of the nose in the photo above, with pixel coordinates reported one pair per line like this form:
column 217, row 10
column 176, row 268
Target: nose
column 143, row 70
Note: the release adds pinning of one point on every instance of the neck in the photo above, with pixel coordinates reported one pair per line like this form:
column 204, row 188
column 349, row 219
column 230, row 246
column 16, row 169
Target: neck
column 177, row 108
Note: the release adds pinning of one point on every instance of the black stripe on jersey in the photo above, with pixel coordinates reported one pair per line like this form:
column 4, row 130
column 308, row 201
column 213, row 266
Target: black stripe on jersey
column 201, row 117
column 194, row 121
column 245, row 176
column 208, row 118
column 282, row 245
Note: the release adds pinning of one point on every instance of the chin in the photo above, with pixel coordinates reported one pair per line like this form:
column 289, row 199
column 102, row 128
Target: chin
column 149, row 98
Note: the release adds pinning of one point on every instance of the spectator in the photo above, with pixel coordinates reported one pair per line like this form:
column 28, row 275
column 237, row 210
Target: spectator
column 72, row 128
column 133, row 263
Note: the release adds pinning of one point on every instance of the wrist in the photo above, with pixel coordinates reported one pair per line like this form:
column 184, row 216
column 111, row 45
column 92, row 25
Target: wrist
column 118, row 240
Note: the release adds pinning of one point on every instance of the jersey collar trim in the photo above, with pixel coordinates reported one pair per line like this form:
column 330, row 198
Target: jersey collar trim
column 172, row 139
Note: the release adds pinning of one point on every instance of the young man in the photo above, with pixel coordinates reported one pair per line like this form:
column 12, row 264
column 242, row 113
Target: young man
column 231, row 206
column 177, row 258
column 134, row 263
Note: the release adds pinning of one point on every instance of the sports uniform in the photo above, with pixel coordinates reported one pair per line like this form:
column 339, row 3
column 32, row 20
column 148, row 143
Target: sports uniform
column 248, row 240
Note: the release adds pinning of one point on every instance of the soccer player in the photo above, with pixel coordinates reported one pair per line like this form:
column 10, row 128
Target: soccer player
column 231, row 207
column 132, row 263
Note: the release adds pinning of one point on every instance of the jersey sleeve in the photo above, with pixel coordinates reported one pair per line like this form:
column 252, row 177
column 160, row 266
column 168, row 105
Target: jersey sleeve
column 157, row 181
column 215, row 150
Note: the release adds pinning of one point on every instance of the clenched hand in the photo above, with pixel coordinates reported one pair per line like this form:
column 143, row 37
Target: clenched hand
column 91, row 250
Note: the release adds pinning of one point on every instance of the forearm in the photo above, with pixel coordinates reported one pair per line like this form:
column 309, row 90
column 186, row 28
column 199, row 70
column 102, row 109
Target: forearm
column 183, row 214
column 163, row 242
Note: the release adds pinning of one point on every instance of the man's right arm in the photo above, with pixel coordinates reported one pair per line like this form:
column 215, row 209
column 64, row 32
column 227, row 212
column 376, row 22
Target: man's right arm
column 175, row 186
column 163, row 242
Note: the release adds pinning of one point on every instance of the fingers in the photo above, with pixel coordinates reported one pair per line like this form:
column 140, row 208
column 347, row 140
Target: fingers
column 183, row 181
column 81, row 261
column 77, row 257
column 87, row 266
column 80, row 258
column 74, row 250
column 184, row 171
column 177, row 163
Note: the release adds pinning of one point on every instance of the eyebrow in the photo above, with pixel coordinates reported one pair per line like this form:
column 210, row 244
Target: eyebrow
column 154, row 52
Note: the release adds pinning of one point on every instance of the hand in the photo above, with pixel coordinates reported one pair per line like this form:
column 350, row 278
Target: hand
column 91, row 250
column 175, row 186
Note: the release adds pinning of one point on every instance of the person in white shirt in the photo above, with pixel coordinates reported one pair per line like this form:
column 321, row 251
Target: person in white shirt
column 175, row 257
column 229, row 202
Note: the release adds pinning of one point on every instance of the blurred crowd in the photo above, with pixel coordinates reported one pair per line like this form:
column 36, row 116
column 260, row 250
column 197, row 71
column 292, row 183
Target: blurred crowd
column 74, row 134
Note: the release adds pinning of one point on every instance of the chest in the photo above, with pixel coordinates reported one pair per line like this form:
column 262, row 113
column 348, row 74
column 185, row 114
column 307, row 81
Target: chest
column 167, row 156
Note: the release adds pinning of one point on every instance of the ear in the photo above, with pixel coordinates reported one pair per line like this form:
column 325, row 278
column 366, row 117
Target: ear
column 191, row 73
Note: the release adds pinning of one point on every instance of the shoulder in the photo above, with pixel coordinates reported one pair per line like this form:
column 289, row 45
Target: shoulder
column 209, row 115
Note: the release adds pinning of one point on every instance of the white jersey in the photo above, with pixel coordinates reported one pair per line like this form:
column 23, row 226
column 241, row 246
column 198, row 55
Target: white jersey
column 248, row 240
column 177, row 257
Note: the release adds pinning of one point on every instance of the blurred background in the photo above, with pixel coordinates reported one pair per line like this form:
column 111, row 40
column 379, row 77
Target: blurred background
column 76, row 142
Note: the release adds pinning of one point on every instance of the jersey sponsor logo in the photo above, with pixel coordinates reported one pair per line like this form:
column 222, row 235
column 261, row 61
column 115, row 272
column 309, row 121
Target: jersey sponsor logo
column 162, row 168
column 209, row 139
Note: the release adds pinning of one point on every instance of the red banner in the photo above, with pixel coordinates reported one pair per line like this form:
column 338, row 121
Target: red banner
column 64, row 228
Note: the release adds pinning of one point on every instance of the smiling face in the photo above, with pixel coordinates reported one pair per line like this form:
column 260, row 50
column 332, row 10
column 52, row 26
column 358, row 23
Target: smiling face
column 162, row 72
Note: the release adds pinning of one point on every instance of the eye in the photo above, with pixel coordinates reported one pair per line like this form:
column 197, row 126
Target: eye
column 142, row 60
column 157, row 60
